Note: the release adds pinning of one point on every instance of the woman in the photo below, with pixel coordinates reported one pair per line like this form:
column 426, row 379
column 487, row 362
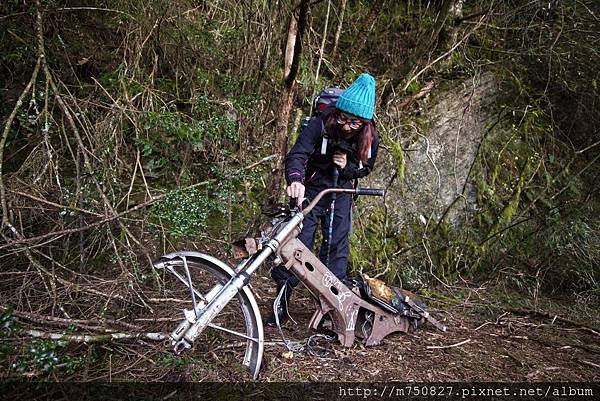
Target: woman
column 345, row 139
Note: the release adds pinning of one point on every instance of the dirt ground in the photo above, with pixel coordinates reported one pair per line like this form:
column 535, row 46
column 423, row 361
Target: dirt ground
column 493, row 335
column 485, row 341
column 496, row 345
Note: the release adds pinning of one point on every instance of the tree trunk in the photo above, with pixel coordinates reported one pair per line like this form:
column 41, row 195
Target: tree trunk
column 323, row 41
column 290, row 48
column 338, row 32
column 293, row 50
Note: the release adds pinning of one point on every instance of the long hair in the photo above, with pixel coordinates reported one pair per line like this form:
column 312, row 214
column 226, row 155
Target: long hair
column 365, row 135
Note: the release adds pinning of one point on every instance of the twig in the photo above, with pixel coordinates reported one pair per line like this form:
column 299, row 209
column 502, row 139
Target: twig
column 123, row 213
column 57, row 205
column 324, row 40
column 86, row 324
column 164, row 300
column 240, row 344
column 74, row 9
column 594, row 332
column 95, row 9
column 144, row 357
column 443, row 56
column 449, row 346
column 587, row 148
column 589, row 363
column 338, row 32
column 482, row 325
column 71, row 286
column 419, row 95
column 158, row 319
column 5, row 137
column 555, row 317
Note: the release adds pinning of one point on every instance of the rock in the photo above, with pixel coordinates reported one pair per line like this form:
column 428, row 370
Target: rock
column 439, row 160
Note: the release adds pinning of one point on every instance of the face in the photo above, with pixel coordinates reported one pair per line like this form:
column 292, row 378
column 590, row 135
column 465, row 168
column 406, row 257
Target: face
column 349, row 124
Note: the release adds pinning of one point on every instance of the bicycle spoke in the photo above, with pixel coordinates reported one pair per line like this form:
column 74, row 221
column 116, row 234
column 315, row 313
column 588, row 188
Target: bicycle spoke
column 191, row 280
column 232, row 332
column 184, row 281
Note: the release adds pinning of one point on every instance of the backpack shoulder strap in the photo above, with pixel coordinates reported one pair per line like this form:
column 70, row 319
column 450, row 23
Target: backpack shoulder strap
column 325, row 137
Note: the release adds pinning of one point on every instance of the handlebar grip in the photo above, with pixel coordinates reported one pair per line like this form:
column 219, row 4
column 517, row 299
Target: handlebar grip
column 370, row 191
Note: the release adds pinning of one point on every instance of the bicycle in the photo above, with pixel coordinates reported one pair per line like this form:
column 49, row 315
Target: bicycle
column 217, row 292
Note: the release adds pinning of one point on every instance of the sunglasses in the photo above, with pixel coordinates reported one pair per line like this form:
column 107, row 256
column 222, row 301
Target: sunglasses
column 354, row 123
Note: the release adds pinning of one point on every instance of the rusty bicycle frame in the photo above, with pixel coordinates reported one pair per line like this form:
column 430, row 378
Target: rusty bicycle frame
column 351, row 316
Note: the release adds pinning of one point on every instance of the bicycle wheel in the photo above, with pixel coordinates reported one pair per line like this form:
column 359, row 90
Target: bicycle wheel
column 235, row 337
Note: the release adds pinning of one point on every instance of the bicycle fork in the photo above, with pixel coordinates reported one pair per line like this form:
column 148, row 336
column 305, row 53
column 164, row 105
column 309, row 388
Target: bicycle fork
column 196, row 321
column 219, row 296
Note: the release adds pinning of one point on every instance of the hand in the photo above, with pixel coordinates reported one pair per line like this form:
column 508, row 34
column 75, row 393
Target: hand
column 340, row 159
column 296, row 190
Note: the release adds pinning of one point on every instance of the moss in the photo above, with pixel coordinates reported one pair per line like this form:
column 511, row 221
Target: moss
column 375, row 246
column 370, row 244
column 396, row 151
column 510, row 209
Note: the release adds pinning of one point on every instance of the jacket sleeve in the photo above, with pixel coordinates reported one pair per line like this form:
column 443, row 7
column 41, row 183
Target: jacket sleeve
column 354, row 170
column 297, row 157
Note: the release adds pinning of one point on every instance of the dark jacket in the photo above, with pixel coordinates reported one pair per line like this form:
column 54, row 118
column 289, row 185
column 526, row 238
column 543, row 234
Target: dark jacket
column 306, row 164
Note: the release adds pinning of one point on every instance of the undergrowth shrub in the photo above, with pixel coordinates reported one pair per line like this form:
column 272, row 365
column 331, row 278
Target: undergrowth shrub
column 231, row 200
column 572, row 249
column 185, row 211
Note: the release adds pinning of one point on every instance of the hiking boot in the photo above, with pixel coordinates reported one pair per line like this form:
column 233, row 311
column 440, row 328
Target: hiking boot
column 282, row 312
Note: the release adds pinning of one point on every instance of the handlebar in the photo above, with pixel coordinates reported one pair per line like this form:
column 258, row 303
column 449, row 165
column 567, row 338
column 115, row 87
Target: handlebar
column 357, row 191
column 370, row 191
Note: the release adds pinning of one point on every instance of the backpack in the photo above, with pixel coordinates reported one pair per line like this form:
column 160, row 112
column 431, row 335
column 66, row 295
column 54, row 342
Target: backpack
column 322, row 104
column 324, row 100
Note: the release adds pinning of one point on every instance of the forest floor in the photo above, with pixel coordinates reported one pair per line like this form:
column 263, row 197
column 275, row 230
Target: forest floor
column 493, row 334
column 495, row 340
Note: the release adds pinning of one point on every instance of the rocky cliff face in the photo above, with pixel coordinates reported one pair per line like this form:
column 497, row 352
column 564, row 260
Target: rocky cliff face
column 439, row 156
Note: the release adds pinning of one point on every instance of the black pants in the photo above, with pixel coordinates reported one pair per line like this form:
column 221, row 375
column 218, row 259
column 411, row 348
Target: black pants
column 338, row 252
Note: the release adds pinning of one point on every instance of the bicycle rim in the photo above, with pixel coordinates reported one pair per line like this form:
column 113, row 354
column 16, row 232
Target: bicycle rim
column 234, row 339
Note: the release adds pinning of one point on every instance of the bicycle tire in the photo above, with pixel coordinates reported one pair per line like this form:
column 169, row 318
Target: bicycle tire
column 240, row 319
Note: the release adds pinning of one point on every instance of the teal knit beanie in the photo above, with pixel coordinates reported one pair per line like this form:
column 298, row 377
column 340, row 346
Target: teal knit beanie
column 359, row 98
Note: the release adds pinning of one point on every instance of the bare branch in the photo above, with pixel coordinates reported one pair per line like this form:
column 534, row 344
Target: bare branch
column 5, row 133
column 101, row 338
column 446, row 54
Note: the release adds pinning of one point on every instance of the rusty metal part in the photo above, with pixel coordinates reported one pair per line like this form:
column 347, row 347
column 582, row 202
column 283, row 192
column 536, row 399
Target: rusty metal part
column 351, row 316
column 356, row 191
column 245, row 247
column 317, row 198
column 347, row 310
column 424, row 314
